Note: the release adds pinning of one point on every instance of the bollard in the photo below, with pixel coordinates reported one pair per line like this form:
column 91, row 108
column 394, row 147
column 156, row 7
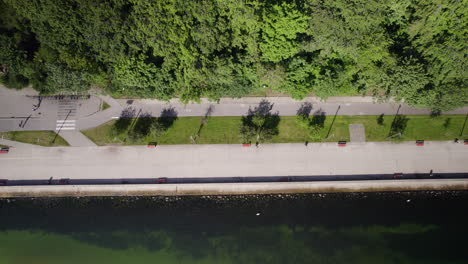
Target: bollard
column 419, row 142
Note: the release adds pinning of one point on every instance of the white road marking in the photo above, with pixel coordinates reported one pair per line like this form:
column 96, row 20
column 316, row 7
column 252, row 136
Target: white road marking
column 65, row 125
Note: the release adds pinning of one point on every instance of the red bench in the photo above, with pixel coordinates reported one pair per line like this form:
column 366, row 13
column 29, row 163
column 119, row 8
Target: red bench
column 419, row 142
column 4, row 150
column 246, row 145
column 341, row 143
column 64, row 181
column 161, row 180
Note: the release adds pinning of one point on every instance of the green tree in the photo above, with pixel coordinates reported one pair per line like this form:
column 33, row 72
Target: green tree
column 438, row 31
column 260, row 124
column 280, row 28
column 314, row 125
column 13, row 63
column 411, row 50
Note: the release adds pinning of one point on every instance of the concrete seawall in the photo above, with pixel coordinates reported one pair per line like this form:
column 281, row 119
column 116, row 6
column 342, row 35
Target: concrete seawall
column 231, row 188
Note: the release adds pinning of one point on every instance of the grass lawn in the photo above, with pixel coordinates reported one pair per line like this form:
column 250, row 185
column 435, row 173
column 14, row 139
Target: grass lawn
column 446, row 127
column 218, row 130
column 104, row 106
column 3, row 146
column 225, row 130
column 43, row 138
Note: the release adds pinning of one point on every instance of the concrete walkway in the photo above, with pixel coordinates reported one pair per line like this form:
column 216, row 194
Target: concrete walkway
column 197, row 161
column 76, row 139
column 357, row 133
column 230, row 188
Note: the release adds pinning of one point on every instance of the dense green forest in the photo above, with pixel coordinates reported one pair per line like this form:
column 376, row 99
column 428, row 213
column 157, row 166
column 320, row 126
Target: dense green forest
column 413, row 50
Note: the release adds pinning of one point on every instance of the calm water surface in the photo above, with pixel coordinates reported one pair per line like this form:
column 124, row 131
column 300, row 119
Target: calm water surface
column 418, row 227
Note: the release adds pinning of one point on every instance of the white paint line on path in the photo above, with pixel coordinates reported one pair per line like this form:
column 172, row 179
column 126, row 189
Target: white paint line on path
column 65, row 124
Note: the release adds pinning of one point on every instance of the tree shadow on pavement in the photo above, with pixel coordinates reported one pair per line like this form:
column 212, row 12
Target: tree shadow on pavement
column 304, row 110
column 260, row 124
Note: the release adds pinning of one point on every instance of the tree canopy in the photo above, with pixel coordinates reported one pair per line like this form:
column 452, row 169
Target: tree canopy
column 412, row 50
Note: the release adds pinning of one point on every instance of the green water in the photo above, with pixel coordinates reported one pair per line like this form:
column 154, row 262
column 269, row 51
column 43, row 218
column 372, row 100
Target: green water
column 428, row 227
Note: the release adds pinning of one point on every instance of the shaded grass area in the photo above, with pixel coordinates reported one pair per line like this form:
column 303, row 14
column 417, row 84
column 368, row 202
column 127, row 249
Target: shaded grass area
column 42, row 138
column 3, row 146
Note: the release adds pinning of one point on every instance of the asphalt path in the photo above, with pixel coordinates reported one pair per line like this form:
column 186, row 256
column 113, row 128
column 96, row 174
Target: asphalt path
column 283, row 106
column 24, row 110
column 218, row 161
column 17, row 109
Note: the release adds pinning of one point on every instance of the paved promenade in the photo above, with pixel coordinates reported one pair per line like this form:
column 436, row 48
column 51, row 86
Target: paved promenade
column 198, row 161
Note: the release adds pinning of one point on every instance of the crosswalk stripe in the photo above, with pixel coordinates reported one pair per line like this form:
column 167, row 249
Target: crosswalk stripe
column 64, row 124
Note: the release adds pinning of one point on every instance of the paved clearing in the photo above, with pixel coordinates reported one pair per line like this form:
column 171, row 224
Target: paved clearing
column 357, row 133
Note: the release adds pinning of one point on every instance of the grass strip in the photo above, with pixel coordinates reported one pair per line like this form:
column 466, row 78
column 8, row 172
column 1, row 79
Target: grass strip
column 225, row 130
column 42, row 138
